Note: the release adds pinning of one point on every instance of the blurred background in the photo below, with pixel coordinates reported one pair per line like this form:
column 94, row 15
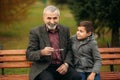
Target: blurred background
column 17, row 17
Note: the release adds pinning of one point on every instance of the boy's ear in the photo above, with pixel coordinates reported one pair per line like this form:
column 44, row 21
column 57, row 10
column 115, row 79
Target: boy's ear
column 89, row 33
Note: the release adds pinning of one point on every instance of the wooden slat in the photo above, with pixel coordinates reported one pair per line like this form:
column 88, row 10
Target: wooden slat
column 11, row 52
column 109, row 50
column 110, row 56
column 2, row 52
column 14, row 77
column 110, row 75
column 12, row 58
column 15, row 65
column 109, row 62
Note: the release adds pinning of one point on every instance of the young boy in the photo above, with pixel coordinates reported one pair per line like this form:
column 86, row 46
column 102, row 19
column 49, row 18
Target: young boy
column 87, row 60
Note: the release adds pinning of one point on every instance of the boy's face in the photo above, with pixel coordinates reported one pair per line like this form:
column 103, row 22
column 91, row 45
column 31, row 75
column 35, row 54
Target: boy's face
column 82, row 33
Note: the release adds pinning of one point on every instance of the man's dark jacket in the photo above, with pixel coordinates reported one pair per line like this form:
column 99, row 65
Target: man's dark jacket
column 39, row 40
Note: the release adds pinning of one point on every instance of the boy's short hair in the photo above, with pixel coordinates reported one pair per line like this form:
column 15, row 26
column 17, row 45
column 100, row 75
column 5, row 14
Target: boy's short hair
column 88, row 25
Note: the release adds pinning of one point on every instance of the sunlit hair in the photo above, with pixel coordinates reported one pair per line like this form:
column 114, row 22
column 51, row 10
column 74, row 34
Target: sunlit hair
column 51, row 8
column 88, row 25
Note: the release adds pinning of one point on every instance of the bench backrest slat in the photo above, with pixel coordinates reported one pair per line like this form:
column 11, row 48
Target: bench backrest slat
column 12, row 58
column 15, row 65
column 12, row 52
column 110, row 50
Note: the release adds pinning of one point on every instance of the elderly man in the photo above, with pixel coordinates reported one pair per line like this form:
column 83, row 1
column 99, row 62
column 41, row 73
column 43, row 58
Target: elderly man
column 49, row 49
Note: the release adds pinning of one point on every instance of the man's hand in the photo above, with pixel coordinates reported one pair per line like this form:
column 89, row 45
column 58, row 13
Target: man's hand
column 47, row 51
column 63, row 69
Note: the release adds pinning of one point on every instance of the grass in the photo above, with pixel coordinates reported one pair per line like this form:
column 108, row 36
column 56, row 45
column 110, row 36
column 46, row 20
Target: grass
column 16, row 71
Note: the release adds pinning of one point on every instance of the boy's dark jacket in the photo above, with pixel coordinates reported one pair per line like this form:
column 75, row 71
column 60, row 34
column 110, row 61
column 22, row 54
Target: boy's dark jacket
column 86, row 55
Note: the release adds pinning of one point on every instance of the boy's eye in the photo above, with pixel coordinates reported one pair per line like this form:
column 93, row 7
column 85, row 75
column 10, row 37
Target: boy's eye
column 80, row 30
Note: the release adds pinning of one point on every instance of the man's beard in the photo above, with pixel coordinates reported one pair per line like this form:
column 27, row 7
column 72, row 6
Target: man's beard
column 52, row 26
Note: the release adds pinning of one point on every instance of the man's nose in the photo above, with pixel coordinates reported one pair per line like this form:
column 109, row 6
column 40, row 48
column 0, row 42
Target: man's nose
column 52, row 21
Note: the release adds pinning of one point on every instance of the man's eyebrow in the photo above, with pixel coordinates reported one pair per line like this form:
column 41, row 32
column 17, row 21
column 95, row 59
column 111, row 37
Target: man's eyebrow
column 51, row 17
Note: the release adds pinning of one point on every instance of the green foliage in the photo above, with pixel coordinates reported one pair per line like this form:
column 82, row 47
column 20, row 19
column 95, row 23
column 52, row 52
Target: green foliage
column 60, row 2
column 103, row 13
column 108, row 11
column 12, row 10
column 83, row 9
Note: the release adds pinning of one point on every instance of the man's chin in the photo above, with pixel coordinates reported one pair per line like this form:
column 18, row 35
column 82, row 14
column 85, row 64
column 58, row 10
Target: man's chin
column 53, row 27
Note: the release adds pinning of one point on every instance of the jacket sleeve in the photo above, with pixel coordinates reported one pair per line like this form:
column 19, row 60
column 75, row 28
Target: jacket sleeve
column 97, row 58
column 33, row 50
column 69, row 55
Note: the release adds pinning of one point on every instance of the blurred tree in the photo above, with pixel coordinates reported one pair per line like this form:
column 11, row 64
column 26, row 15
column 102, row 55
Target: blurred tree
column 12, row 10
column 59, row 2
column 103, row 13
column 44, row 2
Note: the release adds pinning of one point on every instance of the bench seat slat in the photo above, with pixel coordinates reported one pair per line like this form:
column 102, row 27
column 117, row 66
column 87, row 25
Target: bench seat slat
column 12, row 52
column 14, row 77
column 110, row 75
column 12, row 58
column 111, row 62
column 15, row 65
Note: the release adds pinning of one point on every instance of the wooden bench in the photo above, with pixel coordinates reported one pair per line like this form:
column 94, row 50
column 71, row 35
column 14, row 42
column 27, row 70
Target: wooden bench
column 17, row 59
column 13, row 59
column 110, row 57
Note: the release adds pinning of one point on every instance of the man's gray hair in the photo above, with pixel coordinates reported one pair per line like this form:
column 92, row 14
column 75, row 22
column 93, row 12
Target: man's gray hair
column 51, row 8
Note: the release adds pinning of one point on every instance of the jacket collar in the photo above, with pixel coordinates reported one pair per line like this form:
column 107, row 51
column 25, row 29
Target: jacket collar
column 44, row 34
